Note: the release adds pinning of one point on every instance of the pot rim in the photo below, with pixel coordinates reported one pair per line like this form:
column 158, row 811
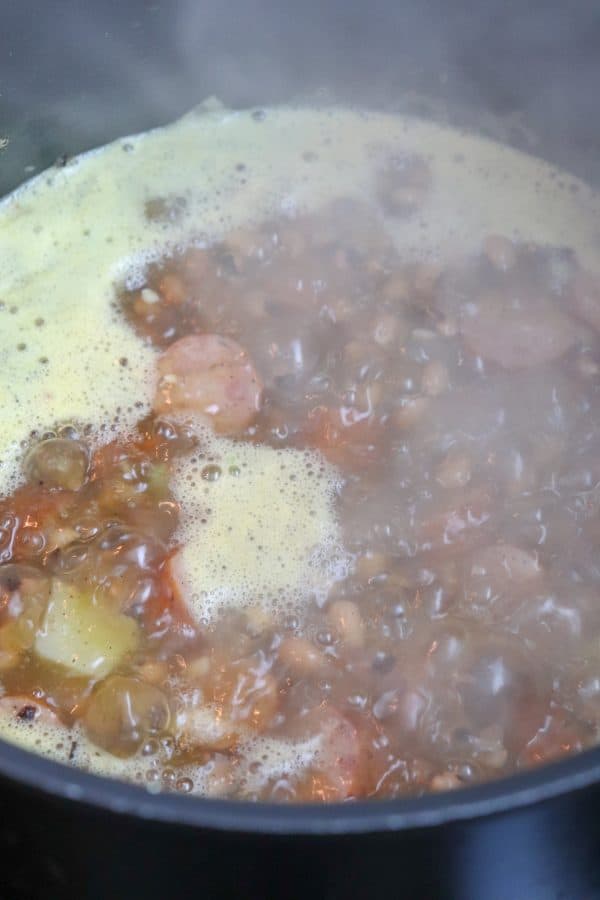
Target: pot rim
column 76, row 786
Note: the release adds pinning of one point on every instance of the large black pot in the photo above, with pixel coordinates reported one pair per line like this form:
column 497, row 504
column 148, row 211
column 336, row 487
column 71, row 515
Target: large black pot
column 75, row 74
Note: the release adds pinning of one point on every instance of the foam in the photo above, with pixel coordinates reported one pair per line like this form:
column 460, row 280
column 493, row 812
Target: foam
column 264, row 533
column 259, row 760
column 69, row 234
column 66, row 745
column 72, row 234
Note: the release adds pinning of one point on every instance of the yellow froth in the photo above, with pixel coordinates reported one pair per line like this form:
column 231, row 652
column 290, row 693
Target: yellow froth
column 65, row 237
column 261, row 758
column 258, row 528
column 72, row 746
column 66, row 355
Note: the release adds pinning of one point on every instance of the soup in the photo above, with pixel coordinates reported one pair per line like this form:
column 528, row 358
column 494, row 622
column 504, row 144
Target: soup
column 300, row 459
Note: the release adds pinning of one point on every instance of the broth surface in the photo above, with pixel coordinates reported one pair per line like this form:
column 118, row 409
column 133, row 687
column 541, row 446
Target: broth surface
column 300, row 464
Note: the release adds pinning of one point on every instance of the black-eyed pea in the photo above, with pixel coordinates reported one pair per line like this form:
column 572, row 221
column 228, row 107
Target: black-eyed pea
column 59, row 537
column 387, row 329
column 422, row 335
column 300, row 656
column 344, row 616
column 154, row 671
column 206, row 728
column 447, row 326
column 454, row 471
column 435, row 379
column 343, row 309
column 496, row 758
column 356, row 352
column 172, row 289
column 197, row 669
column 445, row 781
column 410, row 411
column 368, row 396
column 401, row 579
column 371, row 563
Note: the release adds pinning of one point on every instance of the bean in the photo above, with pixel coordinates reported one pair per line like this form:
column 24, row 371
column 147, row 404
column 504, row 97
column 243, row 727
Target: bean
column 454, row 471
column 371, row 563
column 172, row 289
column 410, row 411
column 447, row 327
column 368, row 396
column 345, row 618
column 300, row 656
column 154, row 671
column 386, row 329
column 197, row 668
column 445, row 781
column 505, row 561
column 357, row 351
column 205, row 727
column 435, row 379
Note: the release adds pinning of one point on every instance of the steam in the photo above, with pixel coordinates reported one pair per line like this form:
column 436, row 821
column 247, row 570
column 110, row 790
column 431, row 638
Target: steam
column 97, row 71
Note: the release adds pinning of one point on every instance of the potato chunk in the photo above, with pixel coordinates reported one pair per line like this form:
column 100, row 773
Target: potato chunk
column 83, row 636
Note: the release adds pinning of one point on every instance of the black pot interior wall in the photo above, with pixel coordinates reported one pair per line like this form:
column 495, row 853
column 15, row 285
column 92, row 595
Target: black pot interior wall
column 76, row 74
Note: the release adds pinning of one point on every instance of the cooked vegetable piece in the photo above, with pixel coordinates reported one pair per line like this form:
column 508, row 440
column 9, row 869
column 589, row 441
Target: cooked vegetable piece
column 369, row 571
column 83, row 635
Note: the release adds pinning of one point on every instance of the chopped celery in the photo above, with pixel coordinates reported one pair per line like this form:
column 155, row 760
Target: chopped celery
column 85, row 637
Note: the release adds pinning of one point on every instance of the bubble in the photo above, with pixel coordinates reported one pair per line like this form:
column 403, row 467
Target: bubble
column 211, row 473
column 184, row 785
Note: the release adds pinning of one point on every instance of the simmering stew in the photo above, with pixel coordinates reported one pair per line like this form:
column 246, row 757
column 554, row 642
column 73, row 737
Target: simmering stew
column 352, row 549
